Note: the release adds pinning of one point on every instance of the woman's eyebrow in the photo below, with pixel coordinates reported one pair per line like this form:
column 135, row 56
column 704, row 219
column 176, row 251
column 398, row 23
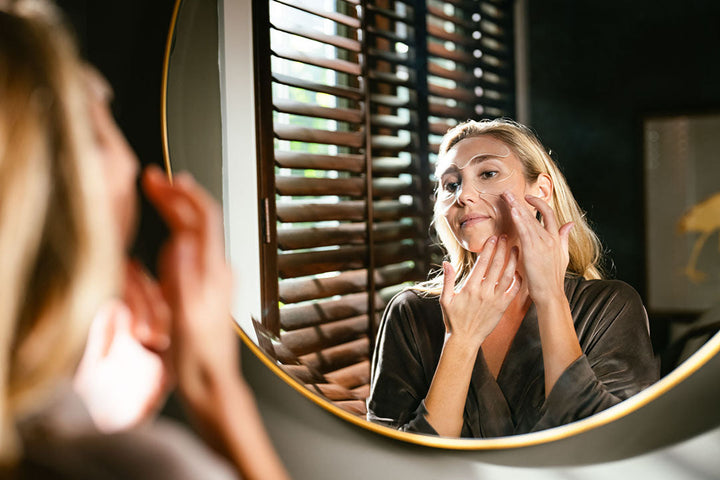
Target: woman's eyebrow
column 481, row 157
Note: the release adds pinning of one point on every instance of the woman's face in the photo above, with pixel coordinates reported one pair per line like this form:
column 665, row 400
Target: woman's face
column 120, row 165
column 472, row 176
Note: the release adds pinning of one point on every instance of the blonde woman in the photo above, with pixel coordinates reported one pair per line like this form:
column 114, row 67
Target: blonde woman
column 66, row 215
column 519, row 332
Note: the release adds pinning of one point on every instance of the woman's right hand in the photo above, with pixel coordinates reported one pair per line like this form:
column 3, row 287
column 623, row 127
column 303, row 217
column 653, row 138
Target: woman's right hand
column 196, row 282
column 472, row 312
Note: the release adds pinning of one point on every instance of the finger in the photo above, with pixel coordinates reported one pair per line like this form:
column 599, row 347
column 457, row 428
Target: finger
column 526, row 224
column 210, row 224
column 139, row 310
column 169, row 200
column 479, row 269
column 178, row 269
column 157, row 326
column 565, row 234
column 448, row 288
column 509, row 280
column 526, row 229
column 547, row 212
column 498, row 262
column 102, row 330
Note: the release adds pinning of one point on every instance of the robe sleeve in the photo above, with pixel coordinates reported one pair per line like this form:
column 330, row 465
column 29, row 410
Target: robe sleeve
column 398, row 381
column 617, row 360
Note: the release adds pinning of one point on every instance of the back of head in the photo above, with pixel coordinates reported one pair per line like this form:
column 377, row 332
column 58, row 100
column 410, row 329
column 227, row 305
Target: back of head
column 58, row 256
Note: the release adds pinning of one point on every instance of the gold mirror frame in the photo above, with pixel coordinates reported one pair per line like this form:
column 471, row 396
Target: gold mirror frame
column 672, row 380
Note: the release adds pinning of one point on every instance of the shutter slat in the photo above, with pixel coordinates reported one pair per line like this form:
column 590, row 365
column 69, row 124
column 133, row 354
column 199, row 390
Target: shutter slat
column 387, row 142
column 389, row 14
column 440, row 33
column 439, row 110
column 456, row 93
column 331, row 63
column 296, row 238
column 389, row 121
column 346, row 211
column 312, row 135
column 339, row 91
column 394, row 187
column 320, row 261
column 349, row 233
column 294, row 317
column 312, row 339
column 301, row 289
column 309, row 314
column 392, row 165
column 454, row 55
column 390, row 78
column 391, row 101
column 335, row 17
column 439, row 128
column 302, row 373
column 298, row 160
column 334, row 391
column 301, row 186
column 352, row 376
column 355, row 407
column 334, row 40
column 318, row 212
column 347, row 187
column 386, row 34
column 396, row 252
column 310, row 110
column 458, row 75
column 299, row 264
column 390, row 57
column 437, row 12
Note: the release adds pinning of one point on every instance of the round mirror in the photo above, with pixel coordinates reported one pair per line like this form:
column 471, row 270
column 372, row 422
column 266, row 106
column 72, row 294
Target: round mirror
column 311, row 327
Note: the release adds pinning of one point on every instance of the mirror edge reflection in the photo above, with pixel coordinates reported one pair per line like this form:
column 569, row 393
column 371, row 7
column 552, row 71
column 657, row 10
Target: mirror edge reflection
column 668, row 382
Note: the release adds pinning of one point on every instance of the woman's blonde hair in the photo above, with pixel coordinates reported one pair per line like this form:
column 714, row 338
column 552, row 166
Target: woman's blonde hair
column 59, row 253
column 583, row 246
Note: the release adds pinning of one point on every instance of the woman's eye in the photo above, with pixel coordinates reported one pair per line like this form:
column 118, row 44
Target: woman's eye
column 451, row 187
column 488, row 174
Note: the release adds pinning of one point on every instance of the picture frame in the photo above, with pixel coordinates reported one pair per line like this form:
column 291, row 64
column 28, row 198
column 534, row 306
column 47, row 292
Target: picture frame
column 682, row 212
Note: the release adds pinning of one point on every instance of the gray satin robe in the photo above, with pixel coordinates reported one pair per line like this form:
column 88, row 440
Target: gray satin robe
column 617, row 362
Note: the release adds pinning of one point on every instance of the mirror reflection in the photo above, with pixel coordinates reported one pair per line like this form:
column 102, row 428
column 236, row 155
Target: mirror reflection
column 354, row 100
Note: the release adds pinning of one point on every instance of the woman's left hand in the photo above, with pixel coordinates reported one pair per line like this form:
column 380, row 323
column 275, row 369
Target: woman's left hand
column 543, row 248
column 124, row 377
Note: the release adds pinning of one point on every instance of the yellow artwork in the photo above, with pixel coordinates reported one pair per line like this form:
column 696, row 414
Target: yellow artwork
column 703, row 218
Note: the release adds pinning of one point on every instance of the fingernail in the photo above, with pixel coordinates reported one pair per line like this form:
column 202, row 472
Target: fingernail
column 492, row 239
column 510, row 196
column 503, row 238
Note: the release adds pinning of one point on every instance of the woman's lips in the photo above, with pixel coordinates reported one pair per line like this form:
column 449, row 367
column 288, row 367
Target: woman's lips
column 469, row 220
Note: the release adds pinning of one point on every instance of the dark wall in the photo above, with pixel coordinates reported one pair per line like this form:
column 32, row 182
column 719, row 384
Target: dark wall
column 596, row 68
column 125, row 40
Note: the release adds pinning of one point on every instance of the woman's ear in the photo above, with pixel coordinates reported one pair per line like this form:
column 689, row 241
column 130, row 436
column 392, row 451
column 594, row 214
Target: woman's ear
column 543, row 187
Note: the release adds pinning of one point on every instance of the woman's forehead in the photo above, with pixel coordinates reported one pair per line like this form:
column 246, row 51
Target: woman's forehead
column 474, row 149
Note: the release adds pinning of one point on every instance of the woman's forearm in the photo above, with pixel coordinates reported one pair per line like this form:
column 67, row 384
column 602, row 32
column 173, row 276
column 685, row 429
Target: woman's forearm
column 445, row 401
column 559, row 340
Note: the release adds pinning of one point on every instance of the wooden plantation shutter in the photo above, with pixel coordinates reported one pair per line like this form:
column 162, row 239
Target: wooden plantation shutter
column 351, row 96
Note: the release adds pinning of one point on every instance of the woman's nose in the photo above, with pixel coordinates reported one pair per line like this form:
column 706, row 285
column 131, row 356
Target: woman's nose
column 465, row 195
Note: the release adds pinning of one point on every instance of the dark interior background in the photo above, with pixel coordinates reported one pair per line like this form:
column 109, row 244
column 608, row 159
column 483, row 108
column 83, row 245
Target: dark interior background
column 597, row 67
column 125, row 40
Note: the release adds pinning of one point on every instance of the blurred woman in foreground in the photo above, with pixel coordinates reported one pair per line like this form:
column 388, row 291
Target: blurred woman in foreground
column 67, row 212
